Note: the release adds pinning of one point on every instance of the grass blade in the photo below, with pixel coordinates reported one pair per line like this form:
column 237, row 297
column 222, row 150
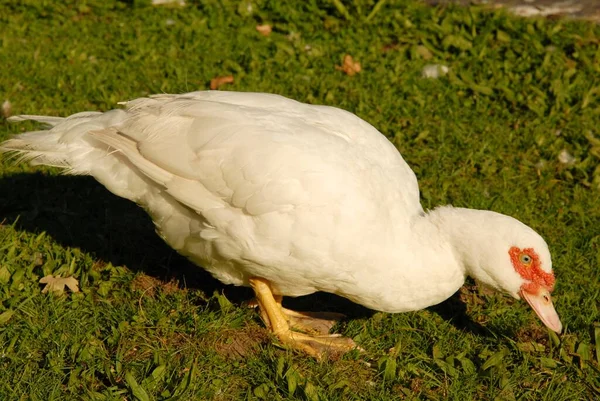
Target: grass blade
column 137, row 391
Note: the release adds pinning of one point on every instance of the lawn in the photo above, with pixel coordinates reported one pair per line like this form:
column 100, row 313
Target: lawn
column 514, row 127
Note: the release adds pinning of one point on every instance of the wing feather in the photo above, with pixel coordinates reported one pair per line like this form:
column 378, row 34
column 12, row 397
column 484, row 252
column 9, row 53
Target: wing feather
column 263, row 153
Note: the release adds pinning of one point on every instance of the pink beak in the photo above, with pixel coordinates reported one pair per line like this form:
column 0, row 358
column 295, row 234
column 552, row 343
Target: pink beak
column 542, row 305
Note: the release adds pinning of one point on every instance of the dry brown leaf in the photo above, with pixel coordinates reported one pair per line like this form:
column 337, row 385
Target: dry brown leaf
column 57, row 284
column 349, row 66
column 180, row 3
column 6, row 109
column 389, row 47
column 217, row 82
column 264, row 30
column 424, row 52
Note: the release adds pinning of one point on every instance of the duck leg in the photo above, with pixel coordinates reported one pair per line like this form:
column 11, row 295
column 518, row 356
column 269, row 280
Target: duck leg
column 277, row 322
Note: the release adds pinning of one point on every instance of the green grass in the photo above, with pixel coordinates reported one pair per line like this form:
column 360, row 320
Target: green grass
column 148, row 325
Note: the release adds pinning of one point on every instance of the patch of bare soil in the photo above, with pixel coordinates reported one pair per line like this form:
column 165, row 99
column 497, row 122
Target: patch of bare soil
column 148, row 285
column 241, row 343
column 533, row 332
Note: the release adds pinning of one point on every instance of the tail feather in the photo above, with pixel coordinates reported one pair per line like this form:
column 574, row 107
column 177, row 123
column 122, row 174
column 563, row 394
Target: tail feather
column 50, row 120
column 66, row 145
column 70, row 145
column 37, row 147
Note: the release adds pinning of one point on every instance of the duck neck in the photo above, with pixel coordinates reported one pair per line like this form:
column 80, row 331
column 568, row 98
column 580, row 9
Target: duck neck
column 463, row 230
column 425, row 265
column 419, row 267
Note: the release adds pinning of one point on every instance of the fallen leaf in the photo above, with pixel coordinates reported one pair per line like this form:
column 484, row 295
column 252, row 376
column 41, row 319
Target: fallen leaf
column 389, row 47
column 264, row 30
column 57, row 284
column 349, row 66
column 180, row 3
column 434, row 71
column 6, row 109
column 566, row 158
column 424, row 52
column 217, row 82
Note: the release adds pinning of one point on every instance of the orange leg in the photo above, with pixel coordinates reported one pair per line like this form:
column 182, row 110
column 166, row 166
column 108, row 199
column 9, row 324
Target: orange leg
column 278, row 323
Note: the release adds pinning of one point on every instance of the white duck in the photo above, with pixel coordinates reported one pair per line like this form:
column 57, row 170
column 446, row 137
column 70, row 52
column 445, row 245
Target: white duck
column 290, row 199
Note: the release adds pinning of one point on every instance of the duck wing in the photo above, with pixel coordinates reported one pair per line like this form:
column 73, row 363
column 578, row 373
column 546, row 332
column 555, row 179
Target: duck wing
column 269, row 182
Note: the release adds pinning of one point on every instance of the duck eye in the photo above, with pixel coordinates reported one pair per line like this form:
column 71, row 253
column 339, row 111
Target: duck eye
column 526, row 259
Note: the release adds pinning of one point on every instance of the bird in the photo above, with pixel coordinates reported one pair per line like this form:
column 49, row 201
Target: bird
column 290, row 198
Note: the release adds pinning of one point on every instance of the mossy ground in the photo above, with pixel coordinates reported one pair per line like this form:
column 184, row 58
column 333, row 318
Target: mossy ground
column 148, row 325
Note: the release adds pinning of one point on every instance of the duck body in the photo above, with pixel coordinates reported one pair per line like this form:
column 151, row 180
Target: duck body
column 311, row 198
column 308, row 198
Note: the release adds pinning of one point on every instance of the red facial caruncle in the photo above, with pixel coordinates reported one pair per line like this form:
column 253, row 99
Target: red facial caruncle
column 527, row 263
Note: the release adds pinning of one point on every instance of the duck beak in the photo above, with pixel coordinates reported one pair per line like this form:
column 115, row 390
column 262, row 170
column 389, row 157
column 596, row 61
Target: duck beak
column 542, row 305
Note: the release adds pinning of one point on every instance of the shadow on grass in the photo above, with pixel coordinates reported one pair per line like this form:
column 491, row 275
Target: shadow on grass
column 455, row 311
column 79, row 212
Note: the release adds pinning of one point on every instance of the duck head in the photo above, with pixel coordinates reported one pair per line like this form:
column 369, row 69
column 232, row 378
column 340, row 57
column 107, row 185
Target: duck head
column 505, row 254
column 537, row 283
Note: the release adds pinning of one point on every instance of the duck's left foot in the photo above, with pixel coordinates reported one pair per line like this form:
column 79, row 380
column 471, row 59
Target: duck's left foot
column 319, row 323
column 319, row 346
column 312, row 322
column 281, row 321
